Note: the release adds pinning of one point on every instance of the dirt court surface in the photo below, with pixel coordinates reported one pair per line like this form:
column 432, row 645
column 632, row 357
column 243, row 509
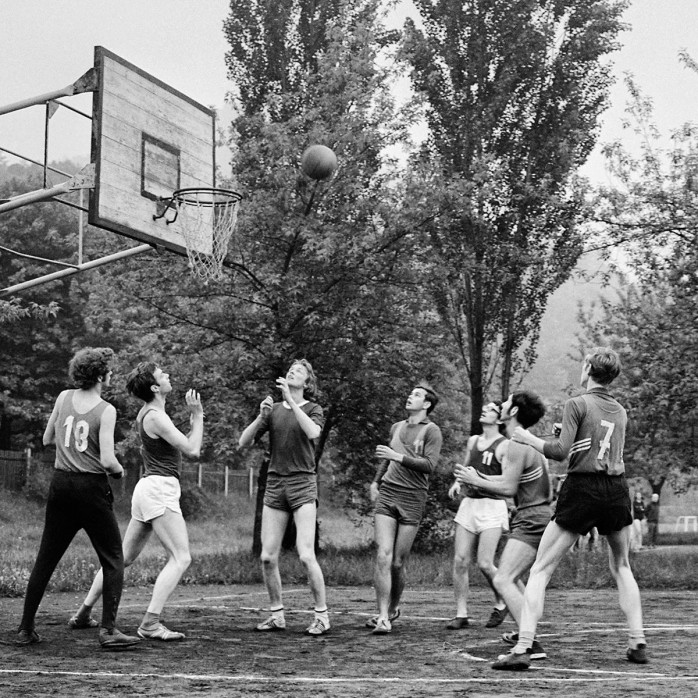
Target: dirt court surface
column 582, row 632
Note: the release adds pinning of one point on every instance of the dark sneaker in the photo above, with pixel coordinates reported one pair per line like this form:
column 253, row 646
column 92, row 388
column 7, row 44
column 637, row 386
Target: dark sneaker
column 496, row 617
column 458, row 623
column 513, row 662
column 27, row 637
column 78, row 623
column 115, row 640
column 536, row 652
column 638, row 655
column 371, row 622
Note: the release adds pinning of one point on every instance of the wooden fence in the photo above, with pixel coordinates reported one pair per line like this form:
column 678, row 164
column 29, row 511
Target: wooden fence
column 14, row 466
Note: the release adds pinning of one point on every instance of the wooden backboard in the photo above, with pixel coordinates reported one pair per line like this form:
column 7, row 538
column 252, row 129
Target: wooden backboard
column 148, row 139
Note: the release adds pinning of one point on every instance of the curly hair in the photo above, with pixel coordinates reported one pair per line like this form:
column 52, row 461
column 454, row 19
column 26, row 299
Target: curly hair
column 89, row 365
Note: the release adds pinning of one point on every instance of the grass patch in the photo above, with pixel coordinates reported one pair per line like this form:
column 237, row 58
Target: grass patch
column 221, row 541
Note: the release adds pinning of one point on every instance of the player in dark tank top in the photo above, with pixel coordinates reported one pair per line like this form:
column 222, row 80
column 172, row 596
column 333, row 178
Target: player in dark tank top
column 155, row 502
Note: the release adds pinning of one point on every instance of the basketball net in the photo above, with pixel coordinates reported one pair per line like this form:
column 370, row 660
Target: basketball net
column 207, row 220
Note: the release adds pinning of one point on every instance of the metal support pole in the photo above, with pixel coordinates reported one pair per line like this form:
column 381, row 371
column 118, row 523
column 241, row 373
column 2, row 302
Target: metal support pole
column 85, row 83
column 69, row 272
column 225, row 482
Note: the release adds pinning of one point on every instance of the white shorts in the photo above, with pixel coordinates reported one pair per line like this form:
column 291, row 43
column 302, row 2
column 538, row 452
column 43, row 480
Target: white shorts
column 478, row 515
column 152, row 495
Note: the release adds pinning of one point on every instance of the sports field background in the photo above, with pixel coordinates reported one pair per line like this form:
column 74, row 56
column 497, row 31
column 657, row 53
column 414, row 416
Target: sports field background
column 582, row 632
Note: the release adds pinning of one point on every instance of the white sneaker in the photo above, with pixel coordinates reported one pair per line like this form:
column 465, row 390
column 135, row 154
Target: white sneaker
column 272, row 623
column 318, row 627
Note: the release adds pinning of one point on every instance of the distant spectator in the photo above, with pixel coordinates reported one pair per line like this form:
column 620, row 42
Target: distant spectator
column 638, row 518
column 652, row 515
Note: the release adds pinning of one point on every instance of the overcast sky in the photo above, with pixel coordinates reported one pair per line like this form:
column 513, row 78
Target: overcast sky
column 47, row 44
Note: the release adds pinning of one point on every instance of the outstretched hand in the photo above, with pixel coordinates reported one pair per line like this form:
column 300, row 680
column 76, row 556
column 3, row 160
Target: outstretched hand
column 265, row 405
column 522, row 435
column 193, row 400
column 282, row 385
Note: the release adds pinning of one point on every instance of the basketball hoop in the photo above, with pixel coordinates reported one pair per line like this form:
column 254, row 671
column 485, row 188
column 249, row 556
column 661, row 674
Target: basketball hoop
column 207, row 219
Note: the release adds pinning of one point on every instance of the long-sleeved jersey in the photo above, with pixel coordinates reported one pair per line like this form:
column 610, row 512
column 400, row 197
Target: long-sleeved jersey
column 593, row 434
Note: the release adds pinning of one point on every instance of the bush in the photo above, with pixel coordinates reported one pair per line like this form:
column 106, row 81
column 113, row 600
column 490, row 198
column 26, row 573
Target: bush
column 39, row 476
column 195, row 502
column 436, row 529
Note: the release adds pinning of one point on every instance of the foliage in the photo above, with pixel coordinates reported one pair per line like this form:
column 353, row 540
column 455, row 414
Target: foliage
column 512, row 93
column 36, row 340
column 653, row 327
column 650, row 212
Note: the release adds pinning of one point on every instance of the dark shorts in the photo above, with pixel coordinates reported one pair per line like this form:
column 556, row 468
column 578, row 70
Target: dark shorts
column 593, row 499
column 290, row 492
column 404, row 505
column 529, row 524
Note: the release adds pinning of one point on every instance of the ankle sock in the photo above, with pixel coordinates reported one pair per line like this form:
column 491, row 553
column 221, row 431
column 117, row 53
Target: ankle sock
column 635, row 638
column 84, row 613
column 150, row 620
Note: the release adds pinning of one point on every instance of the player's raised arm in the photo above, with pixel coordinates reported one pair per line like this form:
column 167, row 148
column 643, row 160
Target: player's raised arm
column 250, row 431
column 161, row 425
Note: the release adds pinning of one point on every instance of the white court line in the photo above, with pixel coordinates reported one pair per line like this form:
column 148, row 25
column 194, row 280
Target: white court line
column 534, row 674
column 252, row 678
column 584, row 629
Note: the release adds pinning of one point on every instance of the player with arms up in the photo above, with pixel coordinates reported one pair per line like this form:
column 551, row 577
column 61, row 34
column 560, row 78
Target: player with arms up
column 155, row 503
column 595, row 493
column 82, row 427
column 294, row 425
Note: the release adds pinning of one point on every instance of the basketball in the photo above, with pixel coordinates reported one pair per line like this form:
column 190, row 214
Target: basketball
column 318, row 162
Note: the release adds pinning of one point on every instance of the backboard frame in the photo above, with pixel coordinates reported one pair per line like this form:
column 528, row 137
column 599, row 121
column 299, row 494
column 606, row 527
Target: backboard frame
column 151, row 138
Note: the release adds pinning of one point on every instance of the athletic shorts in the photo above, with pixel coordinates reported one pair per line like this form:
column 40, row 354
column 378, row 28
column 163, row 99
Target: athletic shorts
column 529, row 524
column 593, row 499
column 482, row 513
column 153, row 494
column 403, row 504
column 289, row 492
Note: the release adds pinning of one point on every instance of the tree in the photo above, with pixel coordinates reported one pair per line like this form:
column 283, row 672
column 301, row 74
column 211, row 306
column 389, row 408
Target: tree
column 651, row 214
column 512, row 92
column 654, row 329
column 333, row 285
column 36, row 340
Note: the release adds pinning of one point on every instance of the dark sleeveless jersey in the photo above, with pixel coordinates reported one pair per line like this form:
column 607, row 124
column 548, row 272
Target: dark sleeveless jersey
column 159, row 456
column 534, row 485
column 486, row 463
column 77, row 437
